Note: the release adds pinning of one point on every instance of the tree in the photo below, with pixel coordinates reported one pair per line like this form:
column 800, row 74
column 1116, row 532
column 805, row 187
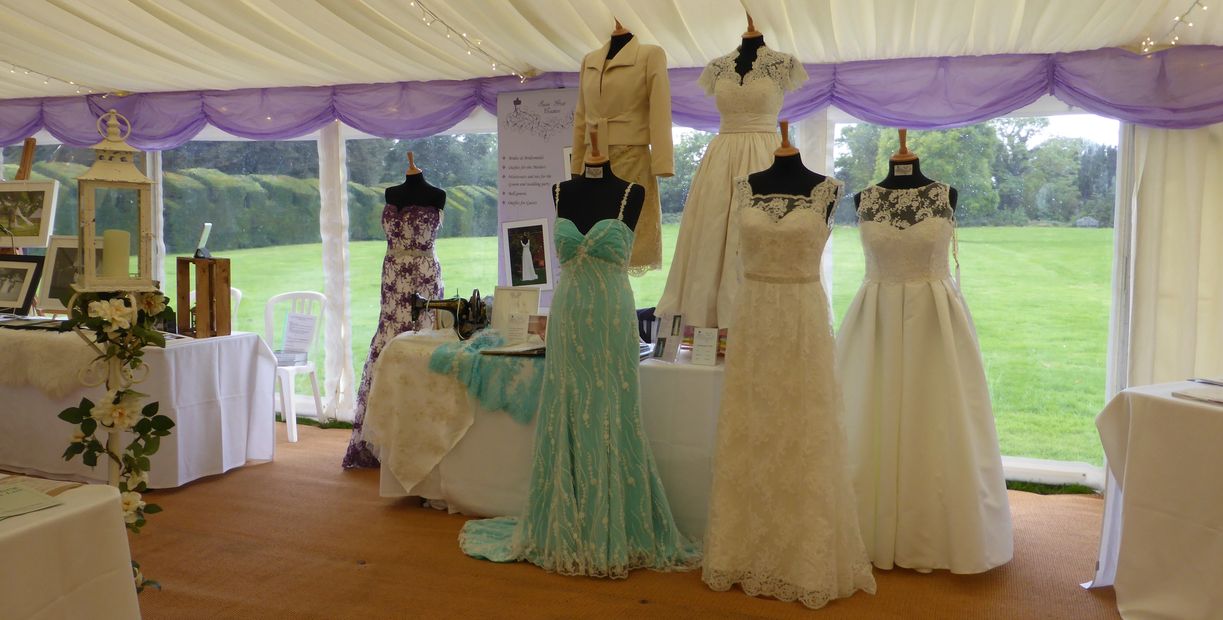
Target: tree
column 960, row 157
column 856, row 166
column 1012, row 163
column 673, row 191
column 1051, row 186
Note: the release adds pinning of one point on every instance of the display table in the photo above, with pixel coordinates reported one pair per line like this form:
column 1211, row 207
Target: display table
column 218, row 391
column 68, row 561
column 484, row 467
column 1163, row 523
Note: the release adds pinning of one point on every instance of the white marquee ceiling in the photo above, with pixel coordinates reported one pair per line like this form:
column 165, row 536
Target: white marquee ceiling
column 166, row 45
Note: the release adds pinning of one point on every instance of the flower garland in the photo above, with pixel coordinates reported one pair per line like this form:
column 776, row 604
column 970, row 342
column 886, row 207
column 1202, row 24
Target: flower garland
column 122, row 325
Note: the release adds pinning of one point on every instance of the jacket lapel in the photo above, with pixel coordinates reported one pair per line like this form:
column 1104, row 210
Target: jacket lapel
column 627, row 56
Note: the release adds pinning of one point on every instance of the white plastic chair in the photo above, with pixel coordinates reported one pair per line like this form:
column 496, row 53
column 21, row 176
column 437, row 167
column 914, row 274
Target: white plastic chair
column 235, row 300
column 303, row 302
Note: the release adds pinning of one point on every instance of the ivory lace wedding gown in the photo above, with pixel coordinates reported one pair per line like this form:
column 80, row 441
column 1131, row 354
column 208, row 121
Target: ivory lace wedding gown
column 596, row 505
column 703, row 279
column 782, row 517
column 922, row 442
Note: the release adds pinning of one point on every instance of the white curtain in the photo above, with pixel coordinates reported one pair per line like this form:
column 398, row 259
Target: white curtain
column 333, row 228
column 1176, row 261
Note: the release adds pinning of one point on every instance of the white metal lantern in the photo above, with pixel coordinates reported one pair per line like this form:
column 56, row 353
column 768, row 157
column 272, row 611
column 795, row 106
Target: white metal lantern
column 114, row 177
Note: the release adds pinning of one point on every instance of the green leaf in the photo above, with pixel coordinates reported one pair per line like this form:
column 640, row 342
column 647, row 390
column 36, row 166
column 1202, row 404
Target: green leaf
column 163, row 423
column 151, row 509
column 151, row 445
column 144, row 463
column 71, row 415
column 89, row 425
column 143, row 426
column 90, row 458
column 135, row 449
column 150, row 409
column 86, row 404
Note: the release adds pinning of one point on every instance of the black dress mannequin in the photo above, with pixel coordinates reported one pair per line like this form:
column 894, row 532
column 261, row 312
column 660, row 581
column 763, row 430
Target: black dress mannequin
column 415, row 190
column 747, row 54
column 904, row 172
column 787, row 175
column 596, row 195
column 618, row 41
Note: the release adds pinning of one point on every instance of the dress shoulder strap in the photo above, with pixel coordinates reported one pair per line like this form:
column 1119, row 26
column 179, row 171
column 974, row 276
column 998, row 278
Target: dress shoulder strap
column 624, row 201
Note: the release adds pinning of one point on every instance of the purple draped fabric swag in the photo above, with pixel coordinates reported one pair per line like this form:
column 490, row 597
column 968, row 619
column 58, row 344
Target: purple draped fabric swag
column 1176, row 88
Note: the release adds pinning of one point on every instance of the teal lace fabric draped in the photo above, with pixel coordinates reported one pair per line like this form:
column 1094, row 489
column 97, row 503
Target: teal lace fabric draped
column 498, row 382
column 596, row 505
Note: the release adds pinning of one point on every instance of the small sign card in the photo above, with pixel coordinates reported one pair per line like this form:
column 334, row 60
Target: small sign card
column 516, row 331
column 668, row 336
column 705, row 346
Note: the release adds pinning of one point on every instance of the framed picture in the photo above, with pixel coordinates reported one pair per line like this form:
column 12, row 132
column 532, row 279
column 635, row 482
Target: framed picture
column 18, row 282
column 27, row 211
column 528, row 253
column 59, row 272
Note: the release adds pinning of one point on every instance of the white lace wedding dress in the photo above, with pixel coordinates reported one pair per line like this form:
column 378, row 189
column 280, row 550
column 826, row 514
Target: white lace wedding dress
column 922, row 442
column 782, row 518
column 703, row 278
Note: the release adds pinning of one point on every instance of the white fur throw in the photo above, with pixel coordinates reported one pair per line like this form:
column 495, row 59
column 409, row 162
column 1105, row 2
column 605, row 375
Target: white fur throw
column 49, row 361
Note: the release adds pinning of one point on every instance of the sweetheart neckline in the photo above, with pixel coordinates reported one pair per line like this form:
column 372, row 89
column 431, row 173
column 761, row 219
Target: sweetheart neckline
column 586, row 235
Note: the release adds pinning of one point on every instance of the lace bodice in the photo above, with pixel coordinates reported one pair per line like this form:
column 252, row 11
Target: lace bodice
column 751, row 102
column 906, row 233
column 411, row 228
column 781, row 237
column 903, row 208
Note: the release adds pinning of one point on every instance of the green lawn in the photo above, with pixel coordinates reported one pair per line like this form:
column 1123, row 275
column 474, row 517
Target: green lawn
column 1039, row 296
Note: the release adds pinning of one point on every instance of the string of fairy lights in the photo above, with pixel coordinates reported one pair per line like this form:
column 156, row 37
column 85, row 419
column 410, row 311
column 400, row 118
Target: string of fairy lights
column 47, row 79
column 472, row 45
column 1172, row 37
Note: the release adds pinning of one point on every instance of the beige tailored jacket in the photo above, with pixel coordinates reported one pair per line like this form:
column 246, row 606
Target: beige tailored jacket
column 628, row 97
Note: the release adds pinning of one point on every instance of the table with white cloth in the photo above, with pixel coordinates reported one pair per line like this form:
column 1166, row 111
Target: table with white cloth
column 1162, row 544
column 436, row 442
column 68, row 561
column 217, row 390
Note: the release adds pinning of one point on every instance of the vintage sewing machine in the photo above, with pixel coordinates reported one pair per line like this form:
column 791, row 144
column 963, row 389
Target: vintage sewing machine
column 470, row 315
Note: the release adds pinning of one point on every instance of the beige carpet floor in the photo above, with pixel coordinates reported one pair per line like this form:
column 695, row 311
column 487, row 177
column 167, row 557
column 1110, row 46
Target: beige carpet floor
column 301, row 538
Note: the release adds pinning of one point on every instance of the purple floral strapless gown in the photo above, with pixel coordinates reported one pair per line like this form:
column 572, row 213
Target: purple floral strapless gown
column 410, row 267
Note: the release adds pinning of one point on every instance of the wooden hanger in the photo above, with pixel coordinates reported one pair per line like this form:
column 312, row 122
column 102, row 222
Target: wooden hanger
column 785, row 149
column 593, row 156
column 903, row 154
column 412, row 169
column 751, row 29
column 620, row 29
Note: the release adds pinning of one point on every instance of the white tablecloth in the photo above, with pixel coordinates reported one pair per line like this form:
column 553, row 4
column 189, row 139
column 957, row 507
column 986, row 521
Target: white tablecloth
column 217, row 390
column 1163, row 524
column 68, row 561
column 488, row 471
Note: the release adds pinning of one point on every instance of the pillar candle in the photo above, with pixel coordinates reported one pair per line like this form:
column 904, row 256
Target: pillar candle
column 115, row 247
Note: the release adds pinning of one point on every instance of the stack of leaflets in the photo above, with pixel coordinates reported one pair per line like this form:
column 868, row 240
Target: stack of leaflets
column 290, row 358
column 21, row 494
column 1210, row 392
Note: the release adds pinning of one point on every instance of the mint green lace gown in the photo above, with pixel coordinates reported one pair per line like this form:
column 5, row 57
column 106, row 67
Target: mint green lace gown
column 596, row 505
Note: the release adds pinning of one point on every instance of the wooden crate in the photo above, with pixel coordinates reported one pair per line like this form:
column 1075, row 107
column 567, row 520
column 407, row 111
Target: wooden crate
column 210, row 315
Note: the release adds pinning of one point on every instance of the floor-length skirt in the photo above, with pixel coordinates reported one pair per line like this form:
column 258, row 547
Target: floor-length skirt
column 704, row 275
column 782, row 518
column 923, row 447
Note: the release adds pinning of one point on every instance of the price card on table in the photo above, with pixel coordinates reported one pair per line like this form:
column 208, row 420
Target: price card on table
column 705, row 346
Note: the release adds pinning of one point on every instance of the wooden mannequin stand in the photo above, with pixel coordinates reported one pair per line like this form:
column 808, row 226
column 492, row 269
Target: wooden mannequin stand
column 210, row 316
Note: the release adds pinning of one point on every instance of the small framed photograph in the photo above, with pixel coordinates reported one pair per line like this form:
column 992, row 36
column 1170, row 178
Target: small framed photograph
column 59, row 271
column 27, row 212
column 18, row 282
column 528, row 253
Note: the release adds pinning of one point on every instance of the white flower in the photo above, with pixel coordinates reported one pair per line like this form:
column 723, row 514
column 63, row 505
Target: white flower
column 101, row 310
column 152, row 303
column 131, row 505
column 78, row 437
column 122, row 315
column 137, row 477
column 137, row 576
column 121, row 415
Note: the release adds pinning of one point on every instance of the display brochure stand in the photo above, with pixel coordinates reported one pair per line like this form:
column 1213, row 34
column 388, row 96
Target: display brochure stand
column 210, row 315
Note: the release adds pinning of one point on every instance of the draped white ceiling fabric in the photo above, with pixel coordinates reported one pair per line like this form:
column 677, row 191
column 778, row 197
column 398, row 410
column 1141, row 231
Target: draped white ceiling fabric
column 171, row 45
